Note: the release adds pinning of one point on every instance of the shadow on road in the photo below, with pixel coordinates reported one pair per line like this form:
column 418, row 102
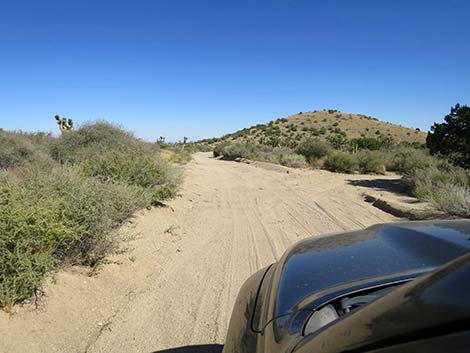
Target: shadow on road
column 204, row 348
column 391, row 185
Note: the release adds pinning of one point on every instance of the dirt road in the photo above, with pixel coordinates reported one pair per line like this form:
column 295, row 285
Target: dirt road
column 176, row 283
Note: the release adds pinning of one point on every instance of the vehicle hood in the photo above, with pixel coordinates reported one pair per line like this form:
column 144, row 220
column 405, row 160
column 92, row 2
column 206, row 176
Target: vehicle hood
column 318, row 263
column 429, row 314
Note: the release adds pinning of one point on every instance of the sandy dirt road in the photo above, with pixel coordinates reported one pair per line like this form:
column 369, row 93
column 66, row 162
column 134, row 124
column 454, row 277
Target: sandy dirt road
column 176, row 283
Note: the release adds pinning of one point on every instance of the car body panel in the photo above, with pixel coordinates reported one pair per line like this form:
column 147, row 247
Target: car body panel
column 434, row 305
column 241, row 337
column 310, row 266
column 321, row 268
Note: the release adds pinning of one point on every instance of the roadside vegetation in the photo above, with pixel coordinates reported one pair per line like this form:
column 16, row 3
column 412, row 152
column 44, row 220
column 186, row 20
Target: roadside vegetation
column 61, row 199
column 436, row 171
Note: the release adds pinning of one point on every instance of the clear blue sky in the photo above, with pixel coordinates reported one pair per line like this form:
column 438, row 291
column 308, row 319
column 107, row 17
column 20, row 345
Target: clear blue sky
column 203, row 68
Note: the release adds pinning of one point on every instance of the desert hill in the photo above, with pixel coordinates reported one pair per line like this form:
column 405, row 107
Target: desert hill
column 325, row 124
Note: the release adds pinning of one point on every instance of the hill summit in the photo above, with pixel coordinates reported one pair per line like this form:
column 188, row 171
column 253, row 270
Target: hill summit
column 324, row 124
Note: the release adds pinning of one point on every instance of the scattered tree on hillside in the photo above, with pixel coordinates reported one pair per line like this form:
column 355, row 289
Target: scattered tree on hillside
column 452, row 138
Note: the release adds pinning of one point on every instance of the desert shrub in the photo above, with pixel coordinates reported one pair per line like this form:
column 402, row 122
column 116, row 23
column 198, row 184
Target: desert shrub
column 338, row 141
column 273, row 141
column 405, row 160
column 133, row 169
column 371, row 162
column 219, row 149
column 198, row 147
column 237, row 150
column 55, row 215
column 447, row 187
column 106, row 151
column 369, row 143
column 316, row 163
column 452, row 199
column 125, row 167
column 312, row 148
column 262, row 152
column 266, row 153
column 315, row 131
column 181, row 157
column 63, row 209
column 422, row 180
column 17, row 148
column 91, row 139
column 341, row 162
column 293, row 160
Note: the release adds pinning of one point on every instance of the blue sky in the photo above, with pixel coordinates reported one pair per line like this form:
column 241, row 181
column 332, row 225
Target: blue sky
column 203, row 68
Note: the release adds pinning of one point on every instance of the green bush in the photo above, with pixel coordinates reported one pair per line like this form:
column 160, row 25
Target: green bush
column 371, row 162
column 312, row 148
column 341, row 162
column 63, row 209
column 237, row 150
column 445, row 186
column 51, row 215
column 369, row 143
column 452, row 199
column 181, row 157
column 405, row 160
column 219, row 149
column 112, row 154
column 261, row 152
column 91, row 139
column 293, row 160
column 266, row 153
column 18, row 148
column 136, row 169
column 338, row 141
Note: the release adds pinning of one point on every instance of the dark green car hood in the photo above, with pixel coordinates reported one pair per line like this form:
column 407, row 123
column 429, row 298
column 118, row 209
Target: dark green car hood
column 318, row 263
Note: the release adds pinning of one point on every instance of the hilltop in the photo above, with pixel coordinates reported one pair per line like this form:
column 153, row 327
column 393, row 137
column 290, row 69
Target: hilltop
column 324, row 124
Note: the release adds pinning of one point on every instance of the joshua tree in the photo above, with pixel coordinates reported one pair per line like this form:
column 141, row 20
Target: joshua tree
column 161, row 141
column 185, row 140
column 64, row 123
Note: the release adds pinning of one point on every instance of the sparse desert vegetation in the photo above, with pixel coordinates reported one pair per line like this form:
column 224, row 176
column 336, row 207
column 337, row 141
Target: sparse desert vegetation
column 434, row 172
column 326, row 125
column 61, row 199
